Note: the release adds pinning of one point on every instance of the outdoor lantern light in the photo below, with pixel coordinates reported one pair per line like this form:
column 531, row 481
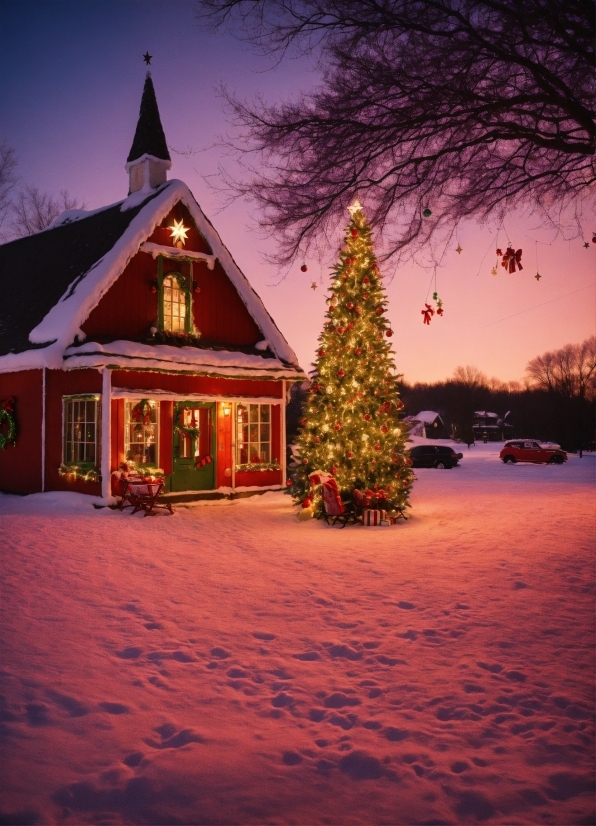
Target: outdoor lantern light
column 226, row 409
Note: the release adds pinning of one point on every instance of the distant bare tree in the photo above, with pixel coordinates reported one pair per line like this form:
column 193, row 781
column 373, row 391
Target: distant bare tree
column 35, row 210
column 569, row 372
column 470, row 376
column 569, row 376
column 8, row 163
column 466, row 108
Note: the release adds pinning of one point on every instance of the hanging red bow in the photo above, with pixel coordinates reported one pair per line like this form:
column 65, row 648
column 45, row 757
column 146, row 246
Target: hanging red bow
column 428, row 314
column 511, row 259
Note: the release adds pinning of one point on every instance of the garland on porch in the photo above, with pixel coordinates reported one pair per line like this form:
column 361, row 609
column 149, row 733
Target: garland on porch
column 176, row 339
column 261, row 466
column 76, row 472
column 142, row 470
column 8, row 423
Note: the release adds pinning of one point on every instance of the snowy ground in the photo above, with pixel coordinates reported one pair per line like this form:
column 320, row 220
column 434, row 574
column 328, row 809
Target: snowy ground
column 230, row 664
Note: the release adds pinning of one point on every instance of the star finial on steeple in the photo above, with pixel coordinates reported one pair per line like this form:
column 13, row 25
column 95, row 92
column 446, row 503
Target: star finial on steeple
column 147, row 58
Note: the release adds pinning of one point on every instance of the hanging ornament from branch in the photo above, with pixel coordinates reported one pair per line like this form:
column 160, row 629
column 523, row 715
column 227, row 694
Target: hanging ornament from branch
column 459, row 249
column 303, row 268
column 427, row 212
column 511, row 259
column 428, row 313
column 314, row 285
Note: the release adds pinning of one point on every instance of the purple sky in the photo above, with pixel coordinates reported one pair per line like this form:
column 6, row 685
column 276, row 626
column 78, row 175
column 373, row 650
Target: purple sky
column 72, row 81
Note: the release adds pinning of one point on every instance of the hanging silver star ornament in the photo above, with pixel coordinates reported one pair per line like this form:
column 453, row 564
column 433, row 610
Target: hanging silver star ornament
column 537, row 276
column 459, row 249
column 314, row 285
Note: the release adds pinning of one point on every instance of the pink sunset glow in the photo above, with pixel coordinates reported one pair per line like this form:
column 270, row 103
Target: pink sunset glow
column 70, row 110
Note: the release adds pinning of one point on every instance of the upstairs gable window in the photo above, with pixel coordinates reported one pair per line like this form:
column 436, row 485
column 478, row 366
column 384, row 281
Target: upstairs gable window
column 175, row 301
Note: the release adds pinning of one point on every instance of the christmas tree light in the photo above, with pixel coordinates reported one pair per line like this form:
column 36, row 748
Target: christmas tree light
column 350, row 425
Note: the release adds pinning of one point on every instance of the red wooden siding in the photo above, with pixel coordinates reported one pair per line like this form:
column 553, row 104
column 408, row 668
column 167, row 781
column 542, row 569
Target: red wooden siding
column 182, row 384
column 166, row 436
column 117, row 434
column 129, row 308
column 20, row 466
column 61, row 383
column 223, row 448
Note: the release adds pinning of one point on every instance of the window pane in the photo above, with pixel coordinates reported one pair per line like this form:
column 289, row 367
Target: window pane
column 254, row 412
column 141, row 433
column 265, row 412
column 265, row 454
column 254, row 433
column 264, row 432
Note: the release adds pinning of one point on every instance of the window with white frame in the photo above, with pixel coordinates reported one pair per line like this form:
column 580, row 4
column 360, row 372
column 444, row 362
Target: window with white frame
column 141, row 429
column 253, row 435
column 174, row 299
column 81, row 429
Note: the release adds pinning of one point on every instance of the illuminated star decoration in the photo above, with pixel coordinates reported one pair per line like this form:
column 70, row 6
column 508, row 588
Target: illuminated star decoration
column 314, row 285
column 537, row 276
column 147, row 58
column 179, row 232
column 356, row 207
column 586, row 245
column 459, row 249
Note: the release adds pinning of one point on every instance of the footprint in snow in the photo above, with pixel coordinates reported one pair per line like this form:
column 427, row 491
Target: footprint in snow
column 114, row 708
column 263, row 635
column 134, row 759
column 170, row 738
column 69, row 704
column 129, row 653
column 405, row 606
column 220, row 653
column 308, row 656
column 344, row 652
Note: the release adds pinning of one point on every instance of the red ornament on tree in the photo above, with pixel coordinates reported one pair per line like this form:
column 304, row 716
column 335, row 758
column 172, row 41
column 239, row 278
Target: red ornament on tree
column 341, row 373
column 289, row 483
column 384, row 428
column 306, row 503
column 357, row 351
column 354, row 233
column 349, row 305
column 348, row 261
column 333, row 470
column 364, row 296
column 350, row 454
column 321, row 353
column 379, row 311
column 357, row 310
column 389, row 333
column 377, row 446
column 366, row 280
column 337, row 426
column 367, row 417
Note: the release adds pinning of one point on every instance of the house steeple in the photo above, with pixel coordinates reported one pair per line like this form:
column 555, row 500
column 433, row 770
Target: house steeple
column 148, row 160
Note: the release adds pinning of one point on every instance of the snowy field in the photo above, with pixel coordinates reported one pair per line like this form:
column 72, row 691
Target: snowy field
column 230, row 664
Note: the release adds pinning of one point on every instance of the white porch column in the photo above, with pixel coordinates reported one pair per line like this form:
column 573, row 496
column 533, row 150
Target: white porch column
column 283, row 432
column 106, row 430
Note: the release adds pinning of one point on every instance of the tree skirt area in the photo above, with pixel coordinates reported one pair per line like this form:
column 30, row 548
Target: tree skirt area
column 231, row 664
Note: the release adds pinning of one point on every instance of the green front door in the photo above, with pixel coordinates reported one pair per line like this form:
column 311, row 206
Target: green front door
column 194, row 446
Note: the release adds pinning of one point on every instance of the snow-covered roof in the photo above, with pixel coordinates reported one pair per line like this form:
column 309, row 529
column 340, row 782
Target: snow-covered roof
column 427, row 416
column 70, row 267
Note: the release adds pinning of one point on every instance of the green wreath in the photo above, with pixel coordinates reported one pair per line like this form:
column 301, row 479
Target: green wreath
column 8, row 436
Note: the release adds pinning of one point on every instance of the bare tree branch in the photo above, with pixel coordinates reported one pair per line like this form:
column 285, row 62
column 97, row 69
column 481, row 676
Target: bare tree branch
column 468, row 108
column 569, row 372
column 35, row 210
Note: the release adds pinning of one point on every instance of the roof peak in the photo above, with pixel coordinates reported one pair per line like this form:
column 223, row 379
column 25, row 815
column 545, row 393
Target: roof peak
column 149, row 136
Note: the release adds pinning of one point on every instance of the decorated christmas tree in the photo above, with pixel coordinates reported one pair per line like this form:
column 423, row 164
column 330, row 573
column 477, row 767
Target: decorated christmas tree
column 349, row 427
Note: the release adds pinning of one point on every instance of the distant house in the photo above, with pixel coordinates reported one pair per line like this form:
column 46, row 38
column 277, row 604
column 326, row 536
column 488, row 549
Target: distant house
column 128, row 334
column 491, row 426
column 427, row 423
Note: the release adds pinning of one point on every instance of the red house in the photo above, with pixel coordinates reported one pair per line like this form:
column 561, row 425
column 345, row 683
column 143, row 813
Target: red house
column 129, row 334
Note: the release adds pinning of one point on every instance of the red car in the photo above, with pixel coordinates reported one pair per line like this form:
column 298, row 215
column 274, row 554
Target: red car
column 529, row 450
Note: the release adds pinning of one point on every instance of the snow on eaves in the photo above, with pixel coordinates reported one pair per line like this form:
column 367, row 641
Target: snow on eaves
column 426, row 416
column 62, row 324
column 130, row 355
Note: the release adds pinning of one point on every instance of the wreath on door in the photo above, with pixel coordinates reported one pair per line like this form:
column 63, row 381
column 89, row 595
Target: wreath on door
column 8, row 424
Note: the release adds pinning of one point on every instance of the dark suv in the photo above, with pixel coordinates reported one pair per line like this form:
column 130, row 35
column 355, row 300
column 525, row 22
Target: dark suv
column 438, row 456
